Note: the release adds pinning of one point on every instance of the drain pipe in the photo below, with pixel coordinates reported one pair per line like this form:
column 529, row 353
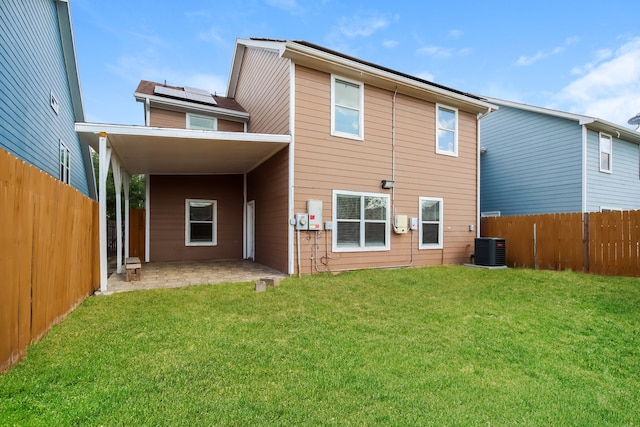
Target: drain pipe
column 327, row 270
column 298, row 248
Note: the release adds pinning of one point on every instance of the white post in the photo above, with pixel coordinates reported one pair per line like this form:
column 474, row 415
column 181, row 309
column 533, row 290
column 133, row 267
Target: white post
column 125, row 181
column 104, row 155
column 147, row 213
column 117, row 180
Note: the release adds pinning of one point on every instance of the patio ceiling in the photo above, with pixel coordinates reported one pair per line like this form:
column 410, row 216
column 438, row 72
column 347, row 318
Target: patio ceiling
column 149, row 150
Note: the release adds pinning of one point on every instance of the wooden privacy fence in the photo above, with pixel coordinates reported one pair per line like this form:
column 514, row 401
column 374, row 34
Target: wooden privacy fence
column 49, row 254
column 597, row 242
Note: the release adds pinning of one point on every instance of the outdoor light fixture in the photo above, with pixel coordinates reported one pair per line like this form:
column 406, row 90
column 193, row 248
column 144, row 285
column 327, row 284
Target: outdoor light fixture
column 387, row 184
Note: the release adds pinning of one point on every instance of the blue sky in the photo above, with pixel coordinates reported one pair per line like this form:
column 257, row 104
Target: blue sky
column 582, row 57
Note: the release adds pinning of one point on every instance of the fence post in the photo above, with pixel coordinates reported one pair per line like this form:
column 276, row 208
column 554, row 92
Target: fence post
column 535, row 248
column 585, row 242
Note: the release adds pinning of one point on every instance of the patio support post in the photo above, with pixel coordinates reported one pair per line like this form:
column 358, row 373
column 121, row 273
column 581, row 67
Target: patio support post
column 125, row 182
column 117, row 181
column 104, row 156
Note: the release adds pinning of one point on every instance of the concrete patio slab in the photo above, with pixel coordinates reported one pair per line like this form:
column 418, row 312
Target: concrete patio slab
column 177, row 274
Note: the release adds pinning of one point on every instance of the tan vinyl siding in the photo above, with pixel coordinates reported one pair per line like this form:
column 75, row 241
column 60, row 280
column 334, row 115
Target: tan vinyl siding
column 230, row 126
column 162, row 118
column 263, row 90
column 167, row 216
column 324, row 163
column 268, row 186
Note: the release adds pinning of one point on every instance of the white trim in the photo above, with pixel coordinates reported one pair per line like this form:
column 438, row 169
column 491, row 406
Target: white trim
column 96, row 128
column 104, row 157
column 585, row 162
column 147, row 214
column 189, row 116
column 360, row 135
column 292, row 145
column 250, row 241
column 362, row 222
column 455, row 131
column 64, row 166
column 440, row 222
column 300, row 53
column 190, row 106
column 187, row 222
column 600, row 151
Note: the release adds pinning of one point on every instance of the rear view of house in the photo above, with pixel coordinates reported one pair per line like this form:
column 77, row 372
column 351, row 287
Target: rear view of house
column 40, row 97
column 536, row 160
column 313, row 161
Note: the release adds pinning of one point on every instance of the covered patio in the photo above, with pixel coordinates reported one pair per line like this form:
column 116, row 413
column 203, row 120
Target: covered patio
column 131, row 150
column 158, row 275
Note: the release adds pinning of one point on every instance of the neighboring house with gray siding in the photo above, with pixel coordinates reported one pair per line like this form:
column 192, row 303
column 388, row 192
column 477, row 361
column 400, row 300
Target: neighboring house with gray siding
column 40, row 98
column 537, row 160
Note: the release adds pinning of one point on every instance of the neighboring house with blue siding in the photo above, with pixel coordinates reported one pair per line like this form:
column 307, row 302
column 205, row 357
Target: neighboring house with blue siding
column 536, row 160
column 40, row 97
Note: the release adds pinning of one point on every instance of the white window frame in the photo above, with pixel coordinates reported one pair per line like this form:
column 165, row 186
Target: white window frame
column 440, row 243
column 214, row 119
column 454, row 152
column 362, row 247
column 359, row 136
column 64, row 162
column 187, row 228
column 601, row 151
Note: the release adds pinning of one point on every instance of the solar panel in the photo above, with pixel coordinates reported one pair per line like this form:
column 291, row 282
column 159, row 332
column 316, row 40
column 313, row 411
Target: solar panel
column 196, row 90
column 206, row 99
column 189, row 93
column 174, row 93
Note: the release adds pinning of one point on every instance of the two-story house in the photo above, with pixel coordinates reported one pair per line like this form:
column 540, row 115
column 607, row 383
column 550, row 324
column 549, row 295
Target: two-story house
column 40, row 98
column 314, row 161
column 537, row 160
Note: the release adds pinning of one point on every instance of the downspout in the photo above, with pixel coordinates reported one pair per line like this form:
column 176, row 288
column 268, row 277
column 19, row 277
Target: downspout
column 393, row 154
column 584, row 168
column 479, row 153
column 147, row 112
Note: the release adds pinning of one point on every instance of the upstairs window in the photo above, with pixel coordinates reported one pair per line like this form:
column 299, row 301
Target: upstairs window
column 65, row 163
column 606, row 153
column 201, row 227
column 361, row 221
column 430, row 223
column 446, row 130
column 201, row 122
column 347, row 105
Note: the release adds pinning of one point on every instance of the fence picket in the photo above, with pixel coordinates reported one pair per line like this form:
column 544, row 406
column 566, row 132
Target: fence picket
column 605, row 243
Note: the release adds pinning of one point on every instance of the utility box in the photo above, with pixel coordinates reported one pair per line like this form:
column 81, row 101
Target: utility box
column 302, row 221
column 400, row 224
column 314, row 209
column 490, row 251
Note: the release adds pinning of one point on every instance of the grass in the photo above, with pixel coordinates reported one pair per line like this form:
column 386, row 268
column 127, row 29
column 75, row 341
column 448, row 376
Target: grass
column 431, row 346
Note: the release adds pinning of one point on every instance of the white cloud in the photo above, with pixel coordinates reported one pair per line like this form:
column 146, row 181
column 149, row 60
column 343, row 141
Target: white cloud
column 425, row 75
column 211, row 36
column 455, row 34
column 361, row 26
column 525, row 60
column 442, row 52
column 610, row 89
column 290, row 6
column 390, row 44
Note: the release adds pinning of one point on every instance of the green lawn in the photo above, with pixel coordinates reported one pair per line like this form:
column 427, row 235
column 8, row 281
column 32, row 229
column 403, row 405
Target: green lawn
column 431, row 346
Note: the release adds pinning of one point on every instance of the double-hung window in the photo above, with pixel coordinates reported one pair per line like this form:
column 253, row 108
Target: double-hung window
column 347, row 106
column 361, row 221
column 201, row 222
column 606, row 152
column 197, row 122
column 65, row 163
column 431, row 210
column 446, row 130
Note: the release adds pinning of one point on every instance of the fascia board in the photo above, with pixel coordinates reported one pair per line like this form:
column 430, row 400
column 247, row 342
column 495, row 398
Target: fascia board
column 324, row 60
column 590, row 122
column 70, row 58
column 241, row 45
column 97, row 128
column 188, row 106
